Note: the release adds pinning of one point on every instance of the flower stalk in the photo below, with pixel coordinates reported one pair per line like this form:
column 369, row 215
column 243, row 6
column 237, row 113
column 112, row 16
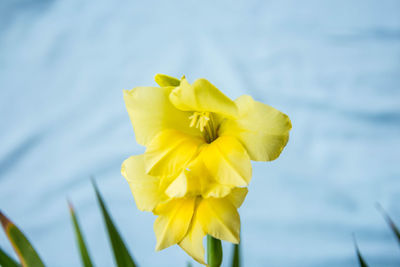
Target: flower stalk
column 214, row 251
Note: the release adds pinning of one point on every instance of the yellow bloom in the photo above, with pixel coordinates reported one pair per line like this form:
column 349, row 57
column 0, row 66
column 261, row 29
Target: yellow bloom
column 184, row 220
column 199, row 144
column 178, row 122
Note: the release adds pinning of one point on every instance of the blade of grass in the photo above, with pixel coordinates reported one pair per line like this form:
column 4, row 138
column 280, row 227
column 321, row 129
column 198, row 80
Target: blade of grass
column 390, row 222
column 25, row 252
column 361, row 260
column 121, row 254
column 86, row 261
column 236, row 255
column 6, row 260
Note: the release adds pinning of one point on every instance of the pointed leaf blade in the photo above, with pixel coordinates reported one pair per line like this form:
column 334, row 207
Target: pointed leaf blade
column 6, row 260
column 25, row 251
column 391, row 223
column 85, row 257
column 121, row 253
column 361, row 260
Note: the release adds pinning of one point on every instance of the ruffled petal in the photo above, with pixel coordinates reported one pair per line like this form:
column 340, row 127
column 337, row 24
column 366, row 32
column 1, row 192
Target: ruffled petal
column 201, row 182
column 202, row 96
column 227, row 161
column 193, row 241
column 237, row 196
column 165, row 80
column 173, row 221
column 151, row 111
column 170, row 151
column 145, row 188
column 219, row 218
column 178, row 187
column 263, row 130
column 196, row 181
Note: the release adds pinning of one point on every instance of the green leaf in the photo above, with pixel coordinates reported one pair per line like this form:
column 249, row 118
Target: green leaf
column 189, row 264
column 121, row 254
column 236, row 255
column 361, row 260
column 6, row 260
column 390, row 222
column 25, row 252
column 214, row 251
column 86, row 261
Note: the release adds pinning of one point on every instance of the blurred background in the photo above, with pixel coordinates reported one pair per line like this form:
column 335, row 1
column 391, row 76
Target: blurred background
column 332, row 66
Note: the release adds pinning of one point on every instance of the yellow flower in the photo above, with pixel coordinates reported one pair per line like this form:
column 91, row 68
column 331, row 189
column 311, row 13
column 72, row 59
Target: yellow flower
column 196, row 166
column 178, row 122
column 184, row 220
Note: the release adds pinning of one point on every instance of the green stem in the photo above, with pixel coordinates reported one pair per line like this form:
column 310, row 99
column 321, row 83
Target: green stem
column 214, row 251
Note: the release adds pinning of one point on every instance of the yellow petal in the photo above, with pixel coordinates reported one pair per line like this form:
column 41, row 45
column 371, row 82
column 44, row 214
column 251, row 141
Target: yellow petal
column 173, row 221
column 145, row 188
column 219, row 219
column 151, row 111
column 193, row 241
column 202, row 96
column 263, row 130
column 178, row 187
column 165, row 80
column 227, row 161
column 237, row 196
column 201, row 182
column 170, row 151
column 193, row 182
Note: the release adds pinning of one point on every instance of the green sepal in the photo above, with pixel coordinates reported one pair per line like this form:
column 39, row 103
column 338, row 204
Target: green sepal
column 165, row 80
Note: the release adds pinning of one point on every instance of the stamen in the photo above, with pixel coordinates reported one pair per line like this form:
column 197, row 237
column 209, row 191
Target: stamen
column 193, row 119
column 204, row 122
column 199, row 119
column 198, row 124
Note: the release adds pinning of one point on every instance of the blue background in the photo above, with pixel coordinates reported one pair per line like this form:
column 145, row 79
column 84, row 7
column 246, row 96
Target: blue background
column 332, row 66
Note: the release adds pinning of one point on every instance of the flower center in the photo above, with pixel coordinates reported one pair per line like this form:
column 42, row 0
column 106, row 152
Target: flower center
column 205, row 123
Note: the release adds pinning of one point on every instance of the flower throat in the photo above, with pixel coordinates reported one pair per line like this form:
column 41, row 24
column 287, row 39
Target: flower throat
column 205, row 123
